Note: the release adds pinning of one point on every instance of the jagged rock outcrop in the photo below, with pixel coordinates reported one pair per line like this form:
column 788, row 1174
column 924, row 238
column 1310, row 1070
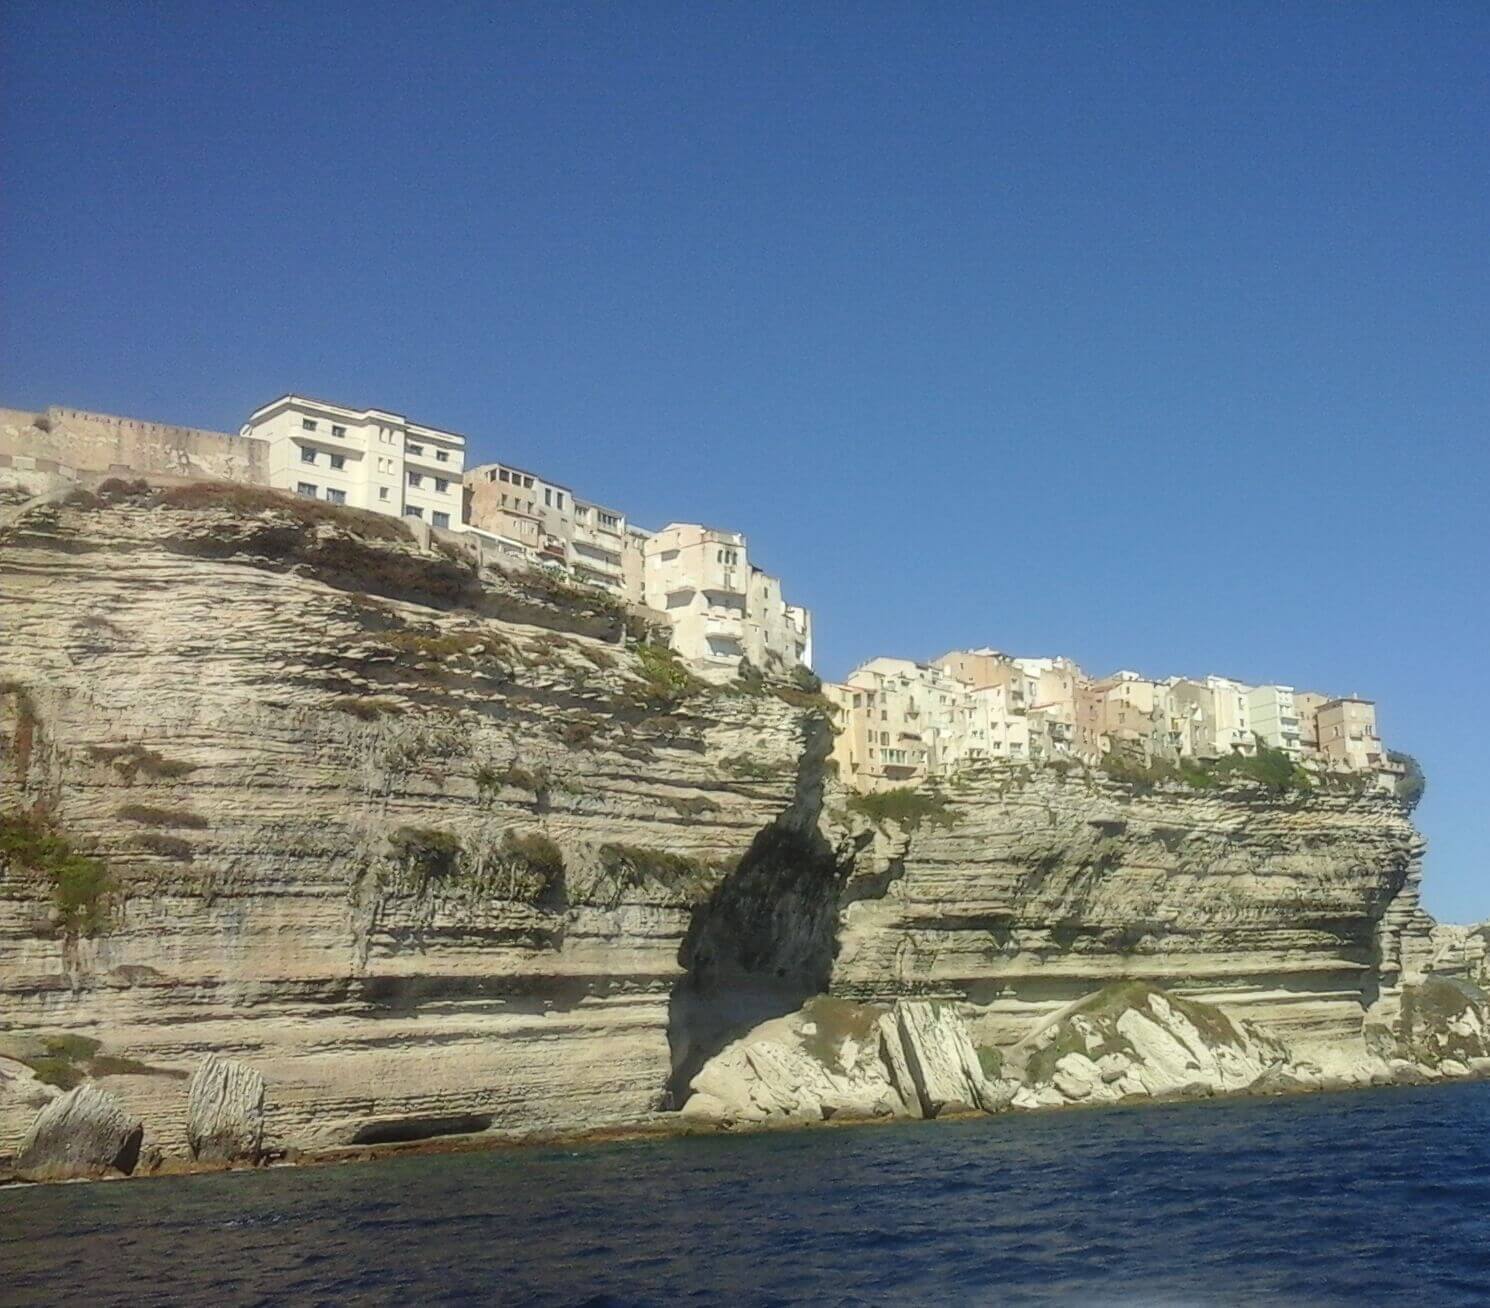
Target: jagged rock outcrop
column 434, row 848
column 1436, row 1024
column 225, row 1112
column 85, row 1132
column 833, row 1058
column 1132, row 1039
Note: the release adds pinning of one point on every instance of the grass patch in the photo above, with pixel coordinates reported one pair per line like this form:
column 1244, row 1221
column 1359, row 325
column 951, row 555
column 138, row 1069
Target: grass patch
column 132, row 760
column 991, row 1061
column 427, row 852
column 366, row 708
column 538, row 855
column 666, row 683
column 691, row 806
column 636, row 865
column 231, row 496
column 69, row 1060
column 601, row 658
column 157, row 842
column 905, row 806
column 150, row 816
column 23, row 742
column 441, row 645
column 80, row 885
column 749, row 769
column 491, row 779
column 1270, row 768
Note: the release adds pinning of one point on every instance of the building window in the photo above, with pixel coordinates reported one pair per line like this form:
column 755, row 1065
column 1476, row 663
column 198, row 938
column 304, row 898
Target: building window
column 415, row 479
column 382, row 492
column 548, row 496
column 336, row 496
column 338, row 461
column 441, row 519
column 442, row 456
column 305, row 488
column 413, row 511
column 560, row 495
column 607, row 519
column 502, row 473
column 307, row 455
column 338, row 431
column 416, row 450
column 307, row 424
column 527, row 483
column 441, row 485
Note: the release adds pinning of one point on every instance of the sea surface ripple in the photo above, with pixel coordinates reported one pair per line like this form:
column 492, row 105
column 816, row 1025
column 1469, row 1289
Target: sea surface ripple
column 1381, row 1197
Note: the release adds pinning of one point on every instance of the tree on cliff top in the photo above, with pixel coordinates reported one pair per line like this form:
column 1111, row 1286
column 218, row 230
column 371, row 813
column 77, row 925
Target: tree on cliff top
column 1412, row 783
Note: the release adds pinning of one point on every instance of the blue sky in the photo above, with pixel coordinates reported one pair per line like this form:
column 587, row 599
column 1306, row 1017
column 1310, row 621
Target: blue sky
column 1150, row 334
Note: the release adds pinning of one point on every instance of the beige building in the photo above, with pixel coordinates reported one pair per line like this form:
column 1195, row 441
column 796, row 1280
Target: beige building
column 1307, row 704
column 722, row 608
column 1129, row 717
column 365, row 458
column 589, row 540
column 899, row 720
column 1347, row 735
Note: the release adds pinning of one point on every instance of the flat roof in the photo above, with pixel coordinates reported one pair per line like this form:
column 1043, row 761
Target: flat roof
column 355, row 412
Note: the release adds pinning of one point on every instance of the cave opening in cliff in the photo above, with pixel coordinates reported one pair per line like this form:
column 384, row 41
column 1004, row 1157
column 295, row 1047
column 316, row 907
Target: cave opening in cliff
column 758, row 948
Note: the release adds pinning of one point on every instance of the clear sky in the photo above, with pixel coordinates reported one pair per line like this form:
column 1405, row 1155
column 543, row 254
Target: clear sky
column 1155, row 335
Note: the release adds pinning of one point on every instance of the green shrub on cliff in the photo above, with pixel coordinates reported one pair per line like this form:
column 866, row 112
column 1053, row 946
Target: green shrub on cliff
column 906, row 807
column 80, row 885
column 666, row 683
column 1273, row 769
column 1412, row 783
column 429, row 853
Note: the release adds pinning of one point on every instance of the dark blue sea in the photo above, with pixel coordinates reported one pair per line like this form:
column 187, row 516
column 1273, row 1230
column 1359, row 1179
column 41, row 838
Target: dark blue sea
column 1374, row 1198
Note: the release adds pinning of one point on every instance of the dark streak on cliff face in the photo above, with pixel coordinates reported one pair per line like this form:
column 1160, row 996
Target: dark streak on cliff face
column 764, row 942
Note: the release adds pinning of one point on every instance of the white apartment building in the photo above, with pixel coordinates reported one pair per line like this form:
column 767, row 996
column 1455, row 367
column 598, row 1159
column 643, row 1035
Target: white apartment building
column 1274, row 718
column 366, row 458
column 722, row 608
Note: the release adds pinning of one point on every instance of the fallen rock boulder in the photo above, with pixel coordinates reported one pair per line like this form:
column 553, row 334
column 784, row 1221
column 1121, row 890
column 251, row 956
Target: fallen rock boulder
column 225, row 1112
column 834, row 1058
column 85, row 1132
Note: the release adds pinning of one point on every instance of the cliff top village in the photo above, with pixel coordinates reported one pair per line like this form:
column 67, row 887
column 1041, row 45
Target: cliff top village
column 898, row 720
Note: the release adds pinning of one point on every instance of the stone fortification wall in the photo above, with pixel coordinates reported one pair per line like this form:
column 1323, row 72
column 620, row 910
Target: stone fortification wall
column 41, row 451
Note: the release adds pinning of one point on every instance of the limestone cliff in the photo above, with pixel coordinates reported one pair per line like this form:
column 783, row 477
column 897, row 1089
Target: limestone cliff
column 417, row 844
column 432, row 848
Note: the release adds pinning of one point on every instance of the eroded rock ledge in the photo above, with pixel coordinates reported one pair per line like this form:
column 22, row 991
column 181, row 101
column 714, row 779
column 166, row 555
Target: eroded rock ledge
column 420, row 850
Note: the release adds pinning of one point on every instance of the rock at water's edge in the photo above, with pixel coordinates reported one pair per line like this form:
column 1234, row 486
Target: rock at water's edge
column 225, row 1112
column 85, row 1132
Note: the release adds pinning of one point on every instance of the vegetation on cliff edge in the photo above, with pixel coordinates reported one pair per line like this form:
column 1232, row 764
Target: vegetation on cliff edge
column 906, row 807
column 80, row 885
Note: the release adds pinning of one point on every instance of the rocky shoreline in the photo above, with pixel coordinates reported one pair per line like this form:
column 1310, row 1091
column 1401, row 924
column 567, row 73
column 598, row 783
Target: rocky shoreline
column 668, row 1126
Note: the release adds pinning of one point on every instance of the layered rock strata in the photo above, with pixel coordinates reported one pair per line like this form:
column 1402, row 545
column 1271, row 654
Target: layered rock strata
column 417, row 844
column 431, row 848
column 1026, row 891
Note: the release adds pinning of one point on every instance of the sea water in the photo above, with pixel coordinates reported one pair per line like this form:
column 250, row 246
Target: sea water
column 1379, row 1197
